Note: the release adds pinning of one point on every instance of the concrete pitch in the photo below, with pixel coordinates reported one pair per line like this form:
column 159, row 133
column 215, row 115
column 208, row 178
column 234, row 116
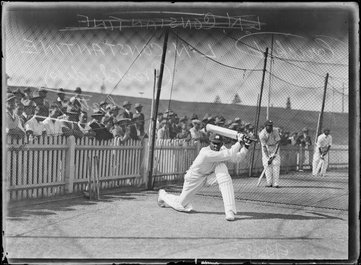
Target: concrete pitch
column 132, row 225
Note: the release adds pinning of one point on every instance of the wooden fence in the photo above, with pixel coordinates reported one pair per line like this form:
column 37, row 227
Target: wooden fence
column 49, row 166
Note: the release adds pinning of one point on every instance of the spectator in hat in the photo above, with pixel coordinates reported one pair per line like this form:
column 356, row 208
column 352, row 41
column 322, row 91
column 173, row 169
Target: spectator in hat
column 77, row 101
column 237, row 120
column 28, row 112
column 114, row 112
column 159, row 120
column 101, row 132
column 127, row 113
column 53, row 126
column 219, row 121
column 62, row 101
column 293, row 138
column 34, row 126
column 211, row 120
column 304, row 142
column 103, row 106
column 70, row 124
column 195, row 131
column 285, row 138
column 139, row 119
column 163, row 131
column 321, row 153
column 121, row 130
column 184, row 134
column 26, row 100
column 19, row 96
column 271, row 160
column 194, row 117
column 84, row 125
column 13, row 123
column 39, row 100
column 183, row 120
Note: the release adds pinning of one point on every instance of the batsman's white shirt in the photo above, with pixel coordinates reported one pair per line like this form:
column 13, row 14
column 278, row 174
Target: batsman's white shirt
column 323, row 141
column 207, row 159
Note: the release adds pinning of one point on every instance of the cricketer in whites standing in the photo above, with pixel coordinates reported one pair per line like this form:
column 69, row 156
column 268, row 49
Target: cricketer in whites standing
column 207, row 169
column 271, row 160
column 320, row 157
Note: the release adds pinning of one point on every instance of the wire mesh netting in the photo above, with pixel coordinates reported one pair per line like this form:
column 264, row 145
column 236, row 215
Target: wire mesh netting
column 215, row 70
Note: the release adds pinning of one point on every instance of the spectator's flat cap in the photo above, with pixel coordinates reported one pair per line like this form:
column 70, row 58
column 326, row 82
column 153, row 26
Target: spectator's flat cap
column 78, row 90
column 268, row 123
column 28, row 89
column 138, row 105
column 305, row 129
column 126, row 103
column 216, row 138
column 326, row 130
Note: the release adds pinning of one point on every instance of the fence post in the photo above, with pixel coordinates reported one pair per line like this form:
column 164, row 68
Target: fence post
column 69, row 165
column 144, row 166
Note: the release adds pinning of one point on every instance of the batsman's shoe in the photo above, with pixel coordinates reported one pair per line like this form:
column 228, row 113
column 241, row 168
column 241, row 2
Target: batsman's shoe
column 230, row 216
column 161, row 202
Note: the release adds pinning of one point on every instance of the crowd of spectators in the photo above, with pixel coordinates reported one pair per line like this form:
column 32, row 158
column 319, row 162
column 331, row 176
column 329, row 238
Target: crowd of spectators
column 29, row 114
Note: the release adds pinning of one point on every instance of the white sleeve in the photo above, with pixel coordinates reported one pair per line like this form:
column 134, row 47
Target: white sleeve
column 241, row 155
column 222, row 155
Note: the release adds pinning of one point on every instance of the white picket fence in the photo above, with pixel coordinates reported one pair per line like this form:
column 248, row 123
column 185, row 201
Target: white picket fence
column 49, row 166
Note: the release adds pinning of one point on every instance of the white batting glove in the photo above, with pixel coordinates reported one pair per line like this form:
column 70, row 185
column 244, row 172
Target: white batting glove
column 240, row 137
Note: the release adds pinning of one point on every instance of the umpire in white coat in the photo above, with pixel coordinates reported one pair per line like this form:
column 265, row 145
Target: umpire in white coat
column 207, row 169
column 271, row 160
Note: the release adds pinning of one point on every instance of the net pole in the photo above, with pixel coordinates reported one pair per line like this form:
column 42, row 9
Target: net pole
column 155, row 112
column 320, row 121
column 270, row 82
column 259, row 110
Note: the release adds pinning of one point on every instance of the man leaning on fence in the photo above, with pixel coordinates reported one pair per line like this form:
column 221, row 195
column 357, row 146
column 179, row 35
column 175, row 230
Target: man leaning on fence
column 320, row 156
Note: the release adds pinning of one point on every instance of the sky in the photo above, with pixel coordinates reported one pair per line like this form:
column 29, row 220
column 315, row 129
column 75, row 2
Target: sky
column 212, row 50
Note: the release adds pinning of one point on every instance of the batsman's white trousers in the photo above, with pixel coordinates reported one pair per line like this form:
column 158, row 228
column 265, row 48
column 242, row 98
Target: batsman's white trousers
column 193, row 183
column 318, row 164
column 273, row 170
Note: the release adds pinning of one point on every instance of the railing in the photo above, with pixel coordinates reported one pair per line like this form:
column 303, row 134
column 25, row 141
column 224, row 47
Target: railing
column 49, row 166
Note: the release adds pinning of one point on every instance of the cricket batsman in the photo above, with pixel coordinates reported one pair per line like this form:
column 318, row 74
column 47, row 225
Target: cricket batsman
column 207, row 169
